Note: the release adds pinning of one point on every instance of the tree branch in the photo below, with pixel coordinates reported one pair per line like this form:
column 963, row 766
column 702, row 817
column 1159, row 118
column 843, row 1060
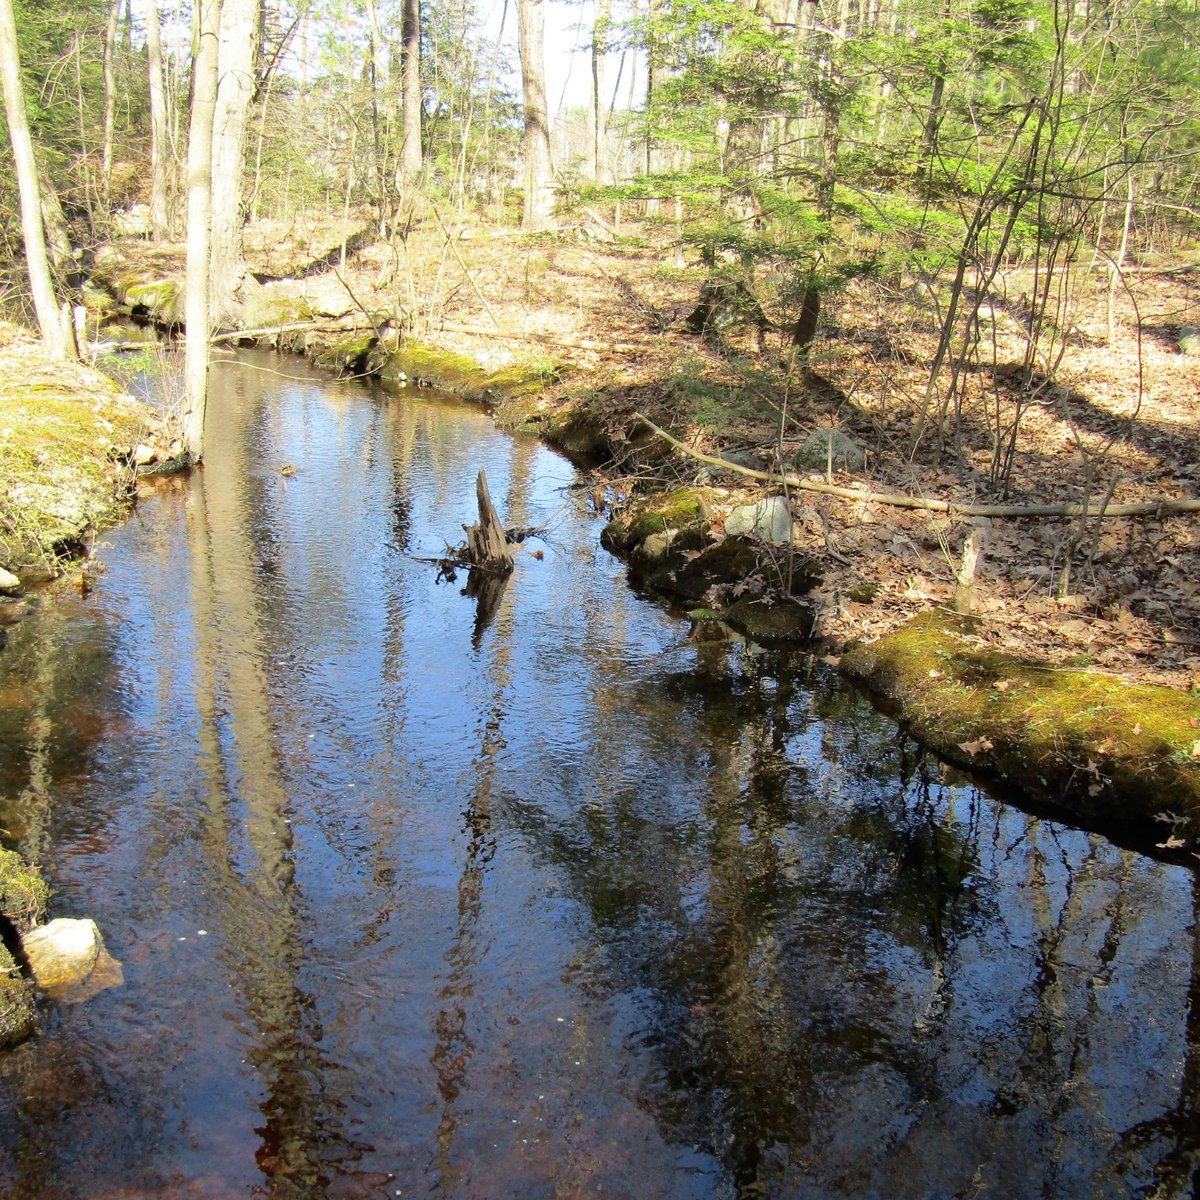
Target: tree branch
column 1150, row 508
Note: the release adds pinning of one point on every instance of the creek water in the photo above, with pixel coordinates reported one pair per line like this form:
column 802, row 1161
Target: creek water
column 423, row 894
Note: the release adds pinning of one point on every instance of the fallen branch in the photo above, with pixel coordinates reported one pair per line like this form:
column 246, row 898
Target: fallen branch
column 512, row 335
column 235, row 335
column 1149, row 508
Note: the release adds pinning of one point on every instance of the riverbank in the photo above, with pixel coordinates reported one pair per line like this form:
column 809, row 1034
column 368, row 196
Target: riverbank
column 71, row 445
column 587, row 338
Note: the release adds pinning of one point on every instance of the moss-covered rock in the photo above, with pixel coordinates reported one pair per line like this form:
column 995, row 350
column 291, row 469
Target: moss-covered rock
column 520, row 383
column 772, row 620
column 24, row 894
column 160, row 300
column 346, row 353
column 65, row 434
column 266, row 308
column 18, row 1013
column 656, row 513
column 23, row 899
column 1109, row 752
column 415, row 362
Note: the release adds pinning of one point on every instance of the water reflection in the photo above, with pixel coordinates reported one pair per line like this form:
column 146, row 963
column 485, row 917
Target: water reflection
column 542, row 901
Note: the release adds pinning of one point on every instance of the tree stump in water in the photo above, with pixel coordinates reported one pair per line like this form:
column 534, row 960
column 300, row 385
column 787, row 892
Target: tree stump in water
column 487, row 544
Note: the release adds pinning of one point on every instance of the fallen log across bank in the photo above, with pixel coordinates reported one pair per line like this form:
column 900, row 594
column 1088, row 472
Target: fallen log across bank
column 336, row 325
column 1145, row 508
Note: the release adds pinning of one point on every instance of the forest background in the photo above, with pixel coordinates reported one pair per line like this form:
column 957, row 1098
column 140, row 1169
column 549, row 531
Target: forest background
column 953, row 241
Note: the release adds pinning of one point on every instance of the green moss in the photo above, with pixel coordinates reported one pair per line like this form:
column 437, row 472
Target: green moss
column 24, row 894
column 862, row 593
column 418, row 363
column 59, row 428
column 18, row 1015
column 162, row 299
column 523, row 381
column 269, row 309
column 1101, row 748
column 528, row 376
column 23, row 899
column 668, row 510
column 347, row 353
column 98, row 302
column 577, row 430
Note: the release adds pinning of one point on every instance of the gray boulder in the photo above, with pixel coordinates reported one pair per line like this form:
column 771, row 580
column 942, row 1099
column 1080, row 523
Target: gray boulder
column 769, row 519
column 830, row 447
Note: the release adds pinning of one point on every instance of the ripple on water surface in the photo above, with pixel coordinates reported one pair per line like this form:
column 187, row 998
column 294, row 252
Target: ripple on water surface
column 416, row 892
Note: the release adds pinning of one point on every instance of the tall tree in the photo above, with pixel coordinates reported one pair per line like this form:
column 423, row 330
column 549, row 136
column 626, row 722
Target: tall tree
column 539, row 175
column 207, row 16
column 601, row 36
column 160, row 218
column 237, row 57
column 110, row 102
column 55, row 329
column 410, row 83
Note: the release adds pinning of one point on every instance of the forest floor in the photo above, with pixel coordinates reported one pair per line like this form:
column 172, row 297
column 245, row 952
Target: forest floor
column 1118, row 421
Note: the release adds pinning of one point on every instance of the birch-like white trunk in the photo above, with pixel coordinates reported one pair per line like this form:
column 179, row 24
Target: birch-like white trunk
column 160, row 210
column 56, row 338
column 410, row 84
column 539, row 175
column 199, row 220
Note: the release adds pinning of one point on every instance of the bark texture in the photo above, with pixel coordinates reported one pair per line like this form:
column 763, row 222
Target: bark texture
column 539, row 175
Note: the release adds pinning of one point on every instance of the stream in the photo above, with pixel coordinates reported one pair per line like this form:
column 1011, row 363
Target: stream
column 534, row 895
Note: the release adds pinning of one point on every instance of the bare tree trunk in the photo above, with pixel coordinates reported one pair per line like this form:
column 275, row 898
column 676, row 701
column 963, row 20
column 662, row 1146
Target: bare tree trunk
column 207, row 16
column 228, row 277
column 539, row 179
column 58, row 235
column 110, row 103
column 383, row 126
column 601, row 32
column 160, row 214
column 56, row 337
column 410, row 83
column 1117, row 262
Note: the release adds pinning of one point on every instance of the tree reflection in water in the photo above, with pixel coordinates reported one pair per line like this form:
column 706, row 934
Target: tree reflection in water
column 537, row 897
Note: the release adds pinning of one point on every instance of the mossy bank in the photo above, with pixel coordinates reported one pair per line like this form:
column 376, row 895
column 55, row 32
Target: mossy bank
column 23, row 899
column 1107, row 752
column 70, row 444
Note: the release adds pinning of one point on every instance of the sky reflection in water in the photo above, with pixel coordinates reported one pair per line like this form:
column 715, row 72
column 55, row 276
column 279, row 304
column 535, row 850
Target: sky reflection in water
column 556, row 903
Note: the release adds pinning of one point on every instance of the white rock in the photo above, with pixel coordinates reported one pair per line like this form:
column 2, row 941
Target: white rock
column 144, row 455
column 657, row 544
column 8, row 581
column 67, row 953
column 1189, row 340
column 769, row 519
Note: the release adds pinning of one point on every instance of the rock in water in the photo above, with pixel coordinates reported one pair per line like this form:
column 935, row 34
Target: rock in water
column 8, row 581
column 68, row 959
